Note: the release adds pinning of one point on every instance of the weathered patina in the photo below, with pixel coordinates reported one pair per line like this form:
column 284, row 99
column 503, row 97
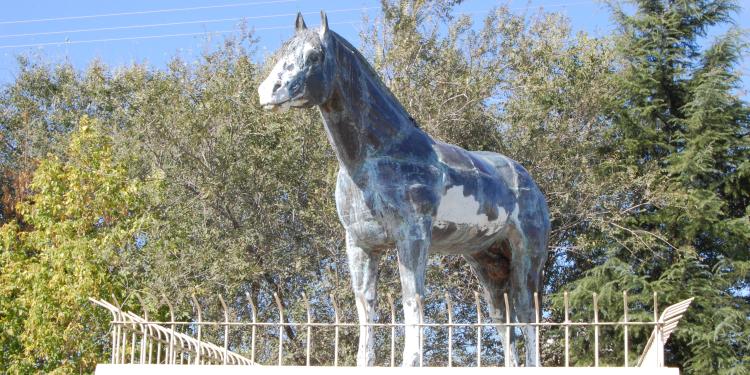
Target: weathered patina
column 399, row 188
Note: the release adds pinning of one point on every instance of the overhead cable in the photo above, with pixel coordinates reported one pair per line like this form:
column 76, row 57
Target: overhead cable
column 169, row 10
column 70, row 42
column 144, row 26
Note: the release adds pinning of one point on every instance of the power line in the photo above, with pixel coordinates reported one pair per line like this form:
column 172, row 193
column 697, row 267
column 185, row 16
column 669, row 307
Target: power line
column 169, row 10
column 144, row 26
column 188, row 22
column 154, row 36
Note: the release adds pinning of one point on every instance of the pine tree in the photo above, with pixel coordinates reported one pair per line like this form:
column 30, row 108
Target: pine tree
column 681, row 227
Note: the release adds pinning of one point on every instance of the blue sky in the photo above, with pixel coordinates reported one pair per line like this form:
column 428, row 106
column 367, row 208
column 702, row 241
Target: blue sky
column 119, row 32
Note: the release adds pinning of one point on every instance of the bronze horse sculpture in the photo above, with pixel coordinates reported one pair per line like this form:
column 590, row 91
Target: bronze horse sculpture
column 398, row 187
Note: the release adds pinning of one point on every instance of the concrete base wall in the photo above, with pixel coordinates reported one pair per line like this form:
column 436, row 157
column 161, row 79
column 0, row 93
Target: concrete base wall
column 107, row 369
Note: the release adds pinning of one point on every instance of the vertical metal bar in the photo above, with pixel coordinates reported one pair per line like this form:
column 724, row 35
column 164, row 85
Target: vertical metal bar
column 143, row 329
column 118, row 344
column 253, row 329
column 479, row 328
column 281, row 328
column 170, row 354
column 449, row 304
column 200, row 327
column 567, row 329
column 124, row 343
column 150, row 346
column 336, row 331
column 226, row 329
column 596, row 331
column 132, row 345
column 508, row 352
column 120, row 340
column 393, row 330
column 538, row 328
column 114, row 339
column 658, row 335
column 625, row 326
column 149, row 339
column 180, row 351
column 420, row 309
column 309, row 329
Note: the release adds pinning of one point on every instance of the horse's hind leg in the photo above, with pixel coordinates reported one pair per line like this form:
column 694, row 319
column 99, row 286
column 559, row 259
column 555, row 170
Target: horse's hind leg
column 363, row 266
column 492, row 268
column 529, row 255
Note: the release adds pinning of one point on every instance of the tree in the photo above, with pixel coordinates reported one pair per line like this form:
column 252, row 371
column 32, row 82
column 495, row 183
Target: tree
column 40, row 109
column 82, row 219
column 679, row 225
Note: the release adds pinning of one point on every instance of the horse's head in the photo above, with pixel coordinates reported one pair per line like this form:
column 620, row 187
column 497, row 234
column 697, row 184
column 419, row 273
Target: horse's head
column 303, row 75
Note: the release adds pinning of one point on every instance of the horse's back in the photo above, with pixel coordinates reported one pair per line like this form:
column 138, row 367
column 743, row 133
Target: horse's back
column 518, row 179
column 507, row 168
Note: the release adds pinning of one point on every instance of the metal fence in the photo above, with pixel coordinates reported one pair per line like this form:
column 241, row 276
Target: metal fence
column 136, row 339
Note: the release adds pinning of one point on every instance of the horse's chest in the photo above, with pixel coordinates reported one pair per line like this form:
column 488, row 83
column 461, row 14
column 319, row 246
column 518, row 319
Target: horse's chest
column 385, row 197
column 359, row 212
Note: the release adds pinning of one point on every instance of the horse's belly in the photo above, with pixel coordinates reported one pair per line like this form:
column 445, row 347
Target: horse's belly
column 463, row 224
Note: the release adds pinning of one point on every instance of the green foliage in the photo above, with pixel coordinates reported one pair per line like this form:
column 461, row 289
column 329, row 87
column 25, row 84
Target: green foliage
column 679, row 223
column 75, row 230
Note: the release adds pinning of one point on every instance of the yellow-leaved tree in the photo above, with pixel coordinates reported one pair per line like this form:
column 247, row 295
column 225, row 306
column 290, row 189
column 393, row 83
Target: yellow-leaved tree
column 83, row 215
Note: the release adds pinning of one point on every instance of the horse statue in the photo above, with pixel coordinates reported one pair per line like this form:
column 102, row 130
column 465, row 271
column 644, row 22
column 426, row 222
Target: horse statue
column 398, row 187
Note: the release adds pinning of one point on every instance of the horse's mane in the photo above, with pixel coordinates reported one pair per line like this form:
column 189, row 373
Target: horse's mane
column 368, row 69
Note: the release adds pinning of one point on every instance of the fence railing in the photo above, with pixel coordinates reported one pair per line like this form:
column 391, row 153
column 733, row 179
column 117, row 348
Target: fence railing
column 136, row 339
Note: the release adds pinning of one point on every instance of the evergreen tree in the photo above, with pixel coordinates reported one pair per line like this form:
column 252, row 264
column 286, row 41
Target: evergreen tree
column 676, row 219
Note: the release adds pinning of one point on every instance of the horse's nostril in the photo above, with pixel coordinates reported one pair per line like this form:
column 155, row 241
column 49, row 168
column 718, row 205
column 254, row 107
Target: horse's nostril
column 276, row 86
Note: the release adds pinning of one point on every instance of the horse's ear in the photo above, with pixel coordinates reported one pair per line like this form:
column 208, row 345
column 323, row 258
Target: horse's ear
column 323, row 23
column 299, row 24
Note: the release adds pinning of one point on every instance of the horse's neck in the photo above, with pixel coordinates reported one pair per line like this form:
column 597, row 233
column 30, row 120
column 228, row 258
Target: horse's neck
column 362, row 118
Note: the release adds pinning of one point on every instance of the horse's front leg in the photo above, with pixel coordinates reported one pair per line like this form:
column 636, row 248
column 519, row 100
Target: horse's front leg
column 363, row 266
column 412, row 262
